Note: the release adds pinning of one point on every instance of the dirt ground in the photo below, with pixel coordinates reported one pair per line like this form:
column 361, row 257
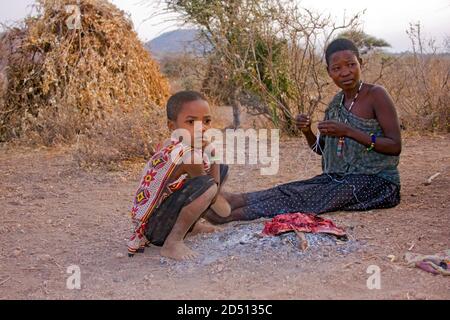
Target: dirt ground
column 54, row 215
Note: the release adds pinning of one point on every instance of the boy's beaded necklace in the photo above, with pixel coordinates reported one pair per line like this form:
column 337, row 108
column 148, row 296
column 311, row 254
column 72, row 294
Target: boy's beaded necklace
column 341, row 142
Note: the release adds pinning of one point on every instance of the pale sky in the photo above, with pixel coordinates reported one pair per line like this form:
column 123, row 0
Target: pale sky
column 387, row 19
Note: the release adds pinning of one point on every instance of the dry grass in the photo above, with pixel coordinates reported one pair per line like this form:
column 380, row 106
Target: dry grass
column 184, row 71
column 419, row 86
column 124, row 137
column 63, row 84
column 98, row 88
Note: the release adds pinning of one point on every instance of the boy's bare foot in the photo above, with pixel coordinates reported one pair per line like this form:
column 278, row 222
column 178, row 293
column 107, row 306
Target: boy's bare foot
column 221, row 206
column 203, row 226
column 177, row 250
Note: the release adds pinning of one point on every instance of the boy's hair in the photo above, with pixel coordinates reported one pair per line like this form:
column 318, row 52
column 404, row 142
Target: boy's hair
column 340, row 44
column 176, row 101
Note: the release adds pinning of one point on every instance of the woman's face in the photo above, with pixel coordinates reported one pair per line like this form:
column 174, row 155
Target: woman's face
column 345, row 69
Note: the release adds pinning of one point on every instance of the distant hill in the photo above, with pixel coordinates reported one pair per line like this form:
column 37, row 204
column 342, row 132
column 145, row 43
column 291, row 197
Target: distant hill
column 175, row 42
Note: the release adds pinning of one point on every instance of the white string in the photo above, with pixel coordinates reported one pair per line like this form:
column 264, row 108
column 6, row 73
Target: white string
column 315, row 147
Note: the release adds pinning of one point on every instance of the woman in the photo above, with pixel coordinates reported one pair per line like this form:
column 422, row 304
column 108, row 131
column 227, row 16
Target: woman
column 360, row 144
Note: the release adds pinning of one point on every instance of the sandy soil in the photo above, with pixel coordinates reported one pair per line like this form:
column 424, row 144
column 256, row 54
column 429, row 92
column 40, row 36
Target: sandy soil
column 54, row 215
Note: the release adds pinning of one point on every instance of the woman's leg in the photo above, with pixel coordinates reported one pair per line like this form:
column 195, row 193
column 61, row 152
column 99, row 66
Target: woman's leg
column 236, row 200
column 323, row 193
column 371, row 192
column 315, row 195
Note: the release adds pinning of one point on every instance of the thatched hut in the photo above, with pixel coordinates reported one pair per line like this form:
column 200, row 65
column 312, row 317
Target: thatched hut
column 58, row 78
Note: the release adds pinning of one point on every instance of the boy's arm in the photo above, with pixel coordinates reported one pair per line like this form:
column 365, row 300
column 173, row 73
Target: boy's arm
column 215, row 172
column 193, row 165
column 194, row 170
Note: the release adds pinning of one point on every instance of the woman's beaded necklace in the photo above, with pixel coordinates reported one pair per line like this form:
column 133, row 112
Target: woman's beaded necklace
column 341, row 142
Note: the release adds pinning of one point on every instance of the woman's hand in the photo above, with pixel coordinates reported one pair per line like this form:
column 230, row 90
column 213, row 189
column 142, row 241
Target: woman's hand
column 303, row 123
column 333, row 128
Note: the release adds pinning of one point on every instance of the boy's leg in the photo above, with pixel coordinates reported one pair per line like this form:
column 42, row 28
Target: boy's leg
column 237, row 204
column 174, row 246
column 221, row 206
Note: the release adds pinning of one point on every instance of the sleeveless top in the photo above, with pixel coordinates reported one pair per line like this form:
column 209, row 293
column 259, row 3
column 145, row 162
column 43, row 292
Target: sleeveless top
column 356, row 159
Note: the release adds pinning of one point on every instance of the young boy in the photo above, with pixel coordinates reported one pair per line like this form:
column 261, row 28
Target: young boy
column 179, row 183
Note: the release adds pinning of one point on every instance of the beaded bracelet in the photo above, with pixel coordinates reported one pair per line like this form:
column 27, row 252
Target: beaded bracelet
column 373, row 138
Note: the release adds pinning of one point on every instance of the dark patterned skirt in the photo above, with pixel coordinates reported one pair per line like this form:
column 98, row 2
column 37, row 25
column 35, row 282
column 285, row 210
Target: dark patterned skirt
column 323, row 193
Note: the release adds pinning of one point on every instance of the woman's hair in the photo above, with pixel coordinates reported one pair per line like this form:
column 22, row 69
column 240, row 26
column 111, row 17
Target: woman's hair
column 176, row 101
column 340, row 44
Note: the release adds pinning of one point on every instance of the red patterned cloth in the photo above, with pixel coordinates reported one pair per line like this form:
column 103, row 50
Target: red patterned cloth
column 156, row 185
column 301, row 222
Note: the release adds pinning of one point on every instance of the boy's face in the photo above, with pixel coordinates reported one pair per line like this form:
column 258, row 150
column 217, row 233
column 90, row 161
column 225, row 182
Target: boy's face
column 193, row 115
column 345, row 69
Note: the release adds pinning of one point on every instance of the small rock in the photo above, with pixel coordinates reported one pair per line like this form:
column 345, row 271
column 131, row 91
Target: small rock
column 119, row 255
column 16, row 252
column 45, row 257
column 49, row 221
column 392, row 257
column 148, row 278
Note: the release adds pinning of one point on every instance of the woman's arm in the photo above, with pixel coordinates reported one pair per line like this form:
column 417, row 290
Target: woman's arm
column 312, row 139
column 383, row 106
column 303, row 123
column 386, row 115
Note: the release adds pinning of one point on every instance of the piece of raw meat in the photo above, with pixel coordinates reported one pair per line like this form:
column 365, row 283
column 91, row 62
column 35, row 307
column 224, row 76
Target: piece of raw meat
column 302, row 222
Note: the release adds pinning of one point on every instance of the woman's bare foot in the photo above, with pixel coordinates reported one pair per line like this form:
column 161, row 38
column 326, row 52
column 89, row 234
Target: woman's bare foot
column 177, row 250
column 203, row 226
column 236, row 214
